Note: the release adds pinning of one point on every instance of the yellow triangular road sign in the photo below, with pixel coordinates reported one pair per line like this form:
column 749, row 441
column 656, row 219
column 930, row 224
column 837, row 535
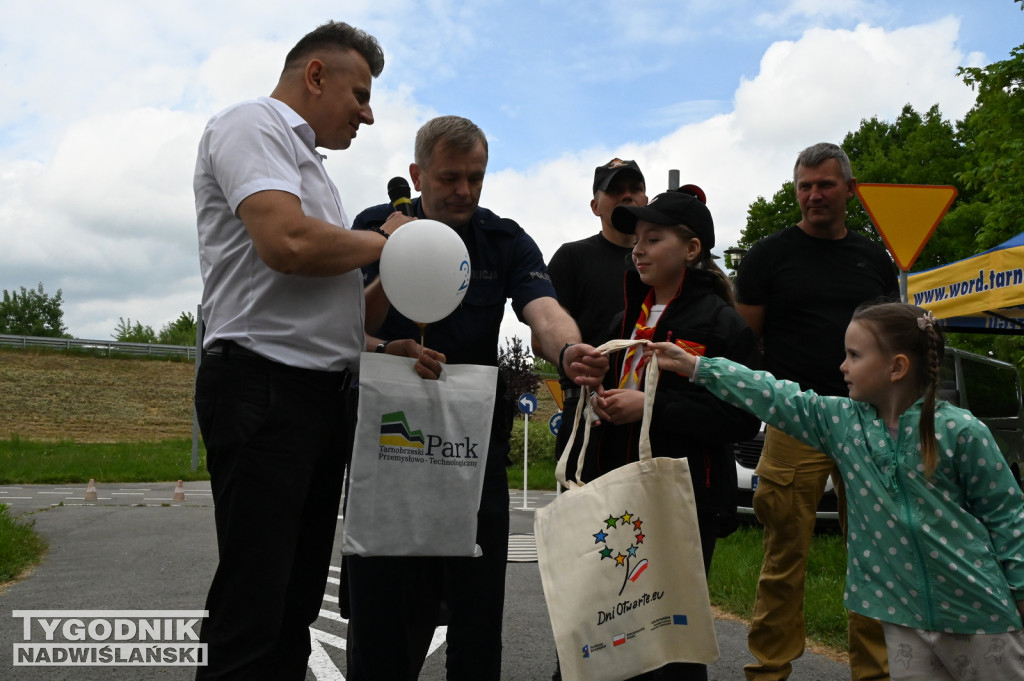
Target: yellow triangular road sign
column 556, row 391
column 906, row 215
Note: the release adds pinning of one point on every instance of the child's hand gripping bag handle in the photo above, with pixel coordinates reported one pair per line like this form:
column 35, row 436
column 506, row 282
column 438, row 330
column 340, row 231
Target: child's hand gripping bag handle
column 650, row 386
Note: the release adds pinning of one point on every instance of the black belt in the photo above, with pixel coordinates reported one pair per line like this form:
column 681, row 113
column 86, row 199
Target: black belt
column 228, row 349
column 570, row 393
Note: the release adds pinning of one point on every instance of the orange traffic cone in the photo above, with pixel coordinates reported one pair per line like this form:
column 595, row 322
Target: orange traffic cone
column 90, row 490
column 179, row 492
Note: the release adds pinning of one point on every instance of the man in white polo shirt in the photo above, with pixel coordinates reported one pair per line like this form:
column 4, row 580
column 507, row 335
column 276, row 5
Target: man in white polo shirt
column 283, row 308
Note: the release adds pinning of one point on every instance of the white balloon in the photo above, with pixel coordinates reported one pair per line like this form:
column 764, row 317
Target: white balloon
column 424, row 269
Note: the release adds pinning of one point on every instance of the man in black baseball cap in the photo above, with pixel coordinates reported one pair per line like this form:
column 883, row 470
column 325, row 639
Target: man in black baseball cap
column 587, row 274
column 670, row 208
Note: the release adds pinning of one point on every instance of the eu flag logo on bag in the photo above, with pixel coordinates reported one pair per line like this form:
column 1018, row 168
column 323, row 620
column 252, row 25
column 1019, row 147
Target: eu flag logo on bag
column 622, row 536
column 679, row 619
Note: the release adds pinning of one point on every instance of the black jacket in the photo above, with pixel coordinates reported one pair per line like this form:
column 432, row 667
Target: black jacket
column 686, row 420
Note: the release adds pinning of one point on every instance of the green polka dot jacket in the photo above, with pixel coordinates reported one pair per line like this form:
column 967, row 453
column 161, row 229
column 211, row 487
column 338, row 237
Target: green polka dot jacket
column 945, row 554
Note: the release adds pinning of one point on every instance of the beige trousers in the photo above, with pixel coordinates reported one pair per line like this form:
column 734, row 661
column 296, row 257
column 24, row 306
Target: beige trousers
column 791, row 481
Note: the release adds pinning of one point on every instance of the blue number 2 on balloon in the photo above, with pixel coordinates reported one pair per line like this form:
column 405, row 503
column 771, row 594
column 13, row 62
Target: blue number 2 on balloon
column 464, row 267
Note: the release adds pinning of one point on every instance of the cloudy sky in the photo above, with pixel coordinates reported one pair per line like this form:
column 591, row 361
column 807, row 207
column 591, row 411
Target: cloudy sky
column 104, row 103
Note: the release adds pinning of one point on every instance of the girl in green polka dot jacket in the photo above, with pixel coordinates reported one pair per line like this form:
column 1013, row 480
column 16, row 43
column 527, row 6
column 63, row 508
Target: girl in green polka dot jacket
column 936, row 518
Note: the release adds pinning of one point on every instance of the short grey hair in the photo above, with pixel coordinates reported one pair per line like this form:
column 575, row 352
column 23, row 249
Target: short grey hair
column 816, row 154
column 337, row 35
column 459, row 134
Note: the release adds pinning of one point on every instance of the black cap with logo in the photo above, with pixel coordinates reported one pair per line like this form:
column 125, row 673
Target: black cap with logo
column 670, row 208
column 603, row 175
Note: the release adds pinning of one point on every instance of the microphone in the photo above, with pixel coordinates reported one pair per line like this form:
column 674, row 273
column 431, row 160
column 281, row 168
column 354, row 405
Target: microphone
column 400, row 194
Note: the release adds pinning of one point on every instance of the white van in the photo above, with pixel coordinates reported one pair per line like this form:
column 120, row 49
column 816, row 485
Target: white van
column 989, row 388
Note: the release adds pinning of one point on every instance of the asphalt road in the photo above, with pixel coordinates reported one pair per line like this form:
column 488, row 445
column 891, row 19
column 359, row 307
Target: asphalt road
column 134, row 548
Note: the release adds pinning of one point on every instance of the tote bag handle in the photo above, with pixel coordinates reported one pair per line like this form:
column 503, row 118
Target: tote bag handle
column 650, row 386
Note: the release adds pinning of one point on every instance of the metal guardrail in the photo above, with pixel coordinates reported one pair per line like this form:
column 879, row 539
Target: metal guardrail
column 99, row 346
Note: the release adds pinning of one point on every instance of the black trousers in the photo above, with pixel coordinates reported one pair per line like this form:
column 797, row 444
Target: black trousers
column 395, row 603
column 277, row 439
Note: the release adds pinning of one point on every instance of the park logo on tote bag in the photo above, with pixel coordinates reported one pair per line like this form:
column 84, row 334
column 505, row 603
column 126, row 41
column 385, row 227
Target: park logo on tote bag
column 418, row 461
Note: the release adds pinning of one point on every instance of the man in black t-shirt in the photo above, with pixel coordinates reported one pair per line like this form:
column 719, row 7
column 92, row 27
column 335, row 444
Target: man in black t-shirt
column 587, row 274
column 797, row 289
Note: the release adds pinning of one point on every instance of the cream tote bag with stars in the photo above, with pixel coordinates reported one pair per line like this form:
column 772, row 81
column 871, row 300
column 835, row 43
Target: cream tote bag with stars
column 621, row 563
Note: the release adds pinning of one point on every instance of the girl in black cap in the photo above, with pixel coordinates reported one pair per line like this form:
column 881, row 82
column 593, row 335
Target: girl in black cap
column 675, row 293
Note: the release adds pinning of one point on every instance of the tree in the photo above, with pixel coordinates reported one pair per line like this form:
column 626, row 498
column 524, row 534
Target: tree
column 996, row 129
column 182, row 331
column 126, row 332
column 916, row 149
column 767, row 217
column 516, row 364
column 32, row 313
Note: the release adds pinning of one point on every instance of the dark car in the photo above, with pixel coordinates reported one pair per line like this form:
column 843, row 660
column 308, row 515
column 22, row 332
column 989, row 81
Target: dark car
column 991, row 390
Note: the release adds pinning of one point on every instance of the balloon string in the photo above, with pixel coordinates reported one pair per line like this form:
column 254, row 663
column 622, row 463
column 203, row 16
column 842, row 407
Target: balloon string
column 423, row 336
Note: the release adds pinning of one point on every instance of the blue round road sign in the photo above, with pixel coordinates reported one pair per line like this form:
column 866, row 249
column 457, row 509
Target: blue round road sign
column 555, row 423
column 527, row 403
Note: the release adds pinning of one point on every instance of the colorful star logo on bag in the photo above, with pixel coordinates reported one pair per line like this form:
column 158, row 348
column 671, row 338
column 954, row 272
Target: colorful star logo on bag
column 622, row 532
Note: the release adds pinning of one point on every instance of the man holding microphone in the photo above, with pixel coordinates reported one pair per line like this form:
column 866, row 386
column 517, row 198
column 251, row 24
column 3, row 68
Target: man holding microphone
column 395, row 601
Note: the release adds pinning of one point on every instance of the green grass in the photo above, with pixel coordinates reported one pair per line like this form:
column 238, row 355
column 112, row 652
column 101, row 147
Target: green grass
column 20, row 546
column 540, row 457
column 25, row 462
column 737, row 562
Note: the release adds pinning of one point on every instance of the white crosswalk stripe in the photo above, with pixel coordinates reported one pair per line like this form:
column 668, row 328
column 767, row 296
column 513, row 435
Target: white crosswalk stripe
column 327, row 636
column 522, row 548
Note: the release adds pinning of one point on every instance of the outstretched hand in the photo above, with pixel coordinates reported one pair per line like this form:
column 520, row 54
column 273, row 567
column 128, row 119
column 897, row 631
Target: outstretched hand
column 672, row 357
column 584, row 365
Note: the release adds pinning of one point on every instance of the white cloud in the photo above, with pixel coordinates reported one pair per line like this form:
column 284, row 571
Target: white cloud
column 98, row 145
column 121, row 174
column 797, row 99
column 238, row 71
column 828, row 81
